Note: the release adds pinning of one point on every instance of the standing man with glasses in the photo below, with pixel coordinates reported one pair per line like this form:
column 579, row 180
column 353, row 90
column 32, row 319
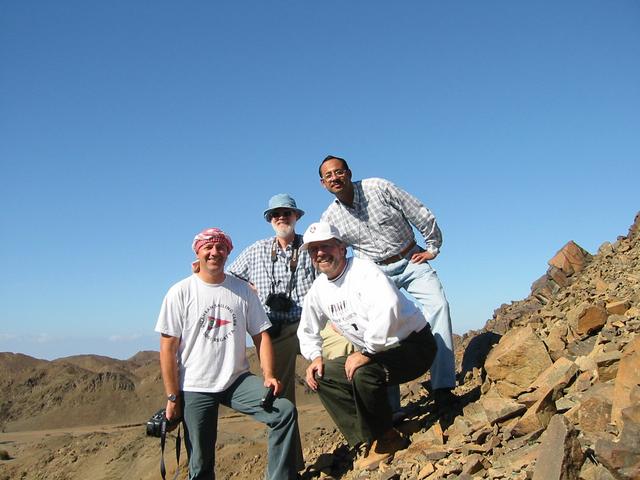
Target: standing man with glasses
column 375, row 217
column 282, row 275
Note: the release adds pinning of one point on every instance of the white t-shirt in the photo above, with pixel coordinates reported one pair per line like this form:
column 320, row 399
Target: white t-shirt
column 364, row 304
column 212, row 321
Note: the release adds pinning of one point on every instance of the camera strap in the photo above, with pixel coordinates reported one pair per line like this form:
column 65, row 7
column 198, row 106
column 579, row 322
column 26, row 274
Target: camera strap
column 163, row 437
column 293, row 263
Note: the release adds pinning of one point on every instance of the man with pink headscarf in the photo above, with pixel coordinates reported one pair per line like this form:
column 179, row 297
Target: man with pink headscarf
column 203, row 323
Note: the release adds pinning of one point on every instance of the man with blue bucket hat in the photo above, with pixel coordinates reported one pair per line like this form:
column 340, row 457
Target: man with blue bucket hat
column 282, row 275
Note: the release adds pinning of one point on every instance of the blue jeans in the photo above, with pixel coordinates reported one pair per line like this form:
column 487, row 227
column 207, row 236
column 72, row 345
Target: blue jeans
column 244, row 395
column 422, row 283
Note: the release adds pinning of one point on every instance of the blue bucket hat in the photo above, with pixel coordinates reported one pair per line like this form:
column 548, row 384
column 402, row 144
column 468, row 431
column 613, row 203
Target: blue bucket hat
column 282, row 200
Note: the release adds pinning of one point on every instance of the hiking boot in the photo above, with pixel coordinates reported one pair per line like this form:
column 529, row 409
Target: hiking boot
column 381, row 451
column 445, row 399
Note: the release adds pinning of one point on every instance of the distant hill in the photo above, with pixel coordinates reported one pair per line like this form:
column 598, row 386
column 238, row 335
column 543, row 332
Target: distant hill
column 87, row 390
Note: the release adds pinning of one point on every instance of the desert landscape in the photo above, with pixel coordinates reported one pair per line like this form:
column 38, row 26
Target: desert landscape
column 549, row 389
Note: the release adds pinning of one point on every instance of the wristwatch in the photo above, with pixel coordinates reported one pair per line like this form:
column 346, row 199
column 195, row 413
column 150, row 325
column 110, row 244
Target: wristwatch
column 172, row 397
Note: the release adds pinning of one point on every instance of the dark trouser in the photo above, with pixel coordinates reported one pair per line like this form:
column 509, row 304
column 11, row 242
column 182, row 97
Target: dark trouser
column 361, row 408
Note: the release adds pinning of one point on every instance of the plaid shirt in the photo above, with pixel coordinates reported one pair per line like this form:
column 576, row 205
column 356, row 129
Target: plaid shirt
column 378, row 225
column 254, row 265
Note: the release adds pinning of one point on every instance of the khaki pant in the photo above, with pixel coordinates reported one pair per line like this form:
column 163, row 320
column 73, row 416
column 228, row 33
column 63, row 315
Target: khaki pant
column 286, row 348
column 334, row 345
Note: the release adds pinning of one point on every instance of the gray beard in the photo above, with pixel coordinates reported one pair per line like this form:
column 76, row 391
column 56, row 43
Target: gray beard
column 284, row 231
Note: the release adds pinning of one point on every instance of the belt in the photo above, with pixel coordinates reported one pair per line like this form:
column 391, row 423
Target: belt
column 398, row 256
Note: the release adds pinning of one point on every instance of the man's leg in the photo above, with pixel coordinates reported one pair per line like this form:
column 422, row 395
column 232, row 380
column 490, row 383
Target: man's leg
column 244, row 396
column 200, row 431
column 360, row 408
column 421, row 282
column 286, row 348
column 335, row 345
column 410, row 359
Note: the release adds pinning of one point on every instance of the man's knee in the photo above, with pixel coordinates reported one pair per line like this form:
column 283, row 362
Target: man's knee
column 369, row 376
column 284, row 411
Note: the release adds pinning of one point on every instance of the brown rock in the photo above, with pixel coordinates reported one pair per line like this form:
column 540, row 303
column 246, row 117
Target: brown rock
column 594, row 414
column 555, row 377
column 560, row 456
column 618, row 307
column 555, row 341
column 601, row 285
column 592, row 471
column 591, row 319
column 518, row 359
column 537, row 417
column 558, row 276
column 623, row 456
column 627, row 378
column 498, row 409
column 570, row 259
column 608, row 364
column 476, row 415
column 426, row 470
column 473, row 464
column 633, row 312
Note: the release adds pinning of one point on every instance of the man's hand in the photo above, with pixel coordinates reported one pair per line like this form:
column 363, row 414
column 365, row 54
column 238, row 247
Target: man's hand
column 315, row 368
column 354, row 362
column 173, row 410
column 421, row 257
column 275, row 383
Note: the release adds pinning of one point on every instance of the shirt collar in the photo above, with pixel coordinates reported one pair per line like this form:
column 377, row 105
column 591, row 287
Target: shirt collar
column 358, row 194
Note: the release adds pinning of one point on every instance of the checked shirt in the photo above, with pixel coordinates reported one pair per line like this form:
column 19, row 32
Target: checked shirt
column 254, row 265
column 378, row 225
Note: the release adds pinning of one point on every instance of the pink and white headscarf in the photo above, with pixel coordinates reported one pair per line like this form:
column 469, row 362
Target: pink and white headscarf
column 211, row 235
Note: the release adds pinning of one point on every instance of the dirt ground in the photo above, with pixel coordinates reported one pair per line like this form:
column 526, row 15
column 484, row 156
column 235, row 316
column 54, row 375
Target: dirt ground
column 114, row 452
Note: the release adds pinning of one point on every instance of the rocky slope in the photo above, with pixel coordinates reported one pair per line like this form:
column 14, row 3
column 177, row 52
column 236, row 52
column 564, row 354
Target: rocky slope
column 549, row 389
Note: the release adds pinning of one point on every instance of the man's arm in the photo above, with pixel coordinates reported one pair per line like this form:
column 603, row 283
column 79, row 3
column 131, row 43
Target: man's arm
column 240, row 266
column 169, row 368
column 264, row 350
column 419, row 216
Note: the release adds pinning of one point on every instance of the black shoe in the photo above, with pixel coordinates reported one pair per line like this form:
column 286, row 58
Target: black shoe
column 445, row 400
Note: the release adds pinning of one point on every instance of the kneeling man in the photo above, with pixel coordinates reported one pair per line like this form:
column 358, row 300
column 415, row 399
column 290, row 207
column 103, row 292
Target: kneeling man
column 203, row 324
column 392, row 337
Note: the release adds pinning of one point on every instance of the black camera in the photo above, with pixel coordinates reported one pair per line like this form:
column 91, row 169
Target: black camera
column 279, row 302
column 267, row 399
column 159, row 425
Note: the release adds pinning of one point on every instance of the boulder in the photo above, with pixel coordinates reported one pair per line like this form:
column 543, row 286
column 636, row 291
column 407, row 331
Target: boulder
column 560, row 456
column 517, row 360
column 627, row 378
column 570, row 259
column 591, row 319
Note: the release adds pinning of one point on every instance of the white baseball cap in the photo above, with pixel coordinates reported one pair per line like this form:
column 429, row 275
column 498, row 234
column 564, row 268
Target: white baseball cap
column 320, row 232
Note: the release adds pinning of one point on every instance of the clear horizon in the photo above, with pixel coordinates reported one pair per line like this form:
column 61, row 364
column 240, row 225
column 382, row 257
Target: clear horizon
column 127, row 128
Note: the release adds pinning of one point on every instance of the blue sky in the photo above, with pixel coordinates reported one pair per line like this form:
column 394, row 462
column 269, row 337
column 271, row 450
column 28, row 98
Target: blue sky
column 128, row 126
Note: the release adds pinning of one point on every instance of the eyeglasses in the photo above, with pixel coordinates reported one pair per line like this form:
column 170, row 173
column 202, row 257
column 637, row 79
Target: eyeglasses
column 338, row 172
column 280, row 213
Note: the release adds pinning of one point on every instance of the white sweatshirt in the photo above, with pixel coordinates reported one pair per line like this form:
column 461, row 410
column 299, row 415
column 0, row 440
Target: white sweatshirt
column 364, row 304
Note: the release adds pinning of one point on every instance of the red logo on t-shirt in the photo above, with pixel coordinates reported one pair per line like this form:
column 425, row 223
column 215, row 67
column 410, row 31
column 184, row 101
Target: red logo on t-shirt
column 216, row 322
